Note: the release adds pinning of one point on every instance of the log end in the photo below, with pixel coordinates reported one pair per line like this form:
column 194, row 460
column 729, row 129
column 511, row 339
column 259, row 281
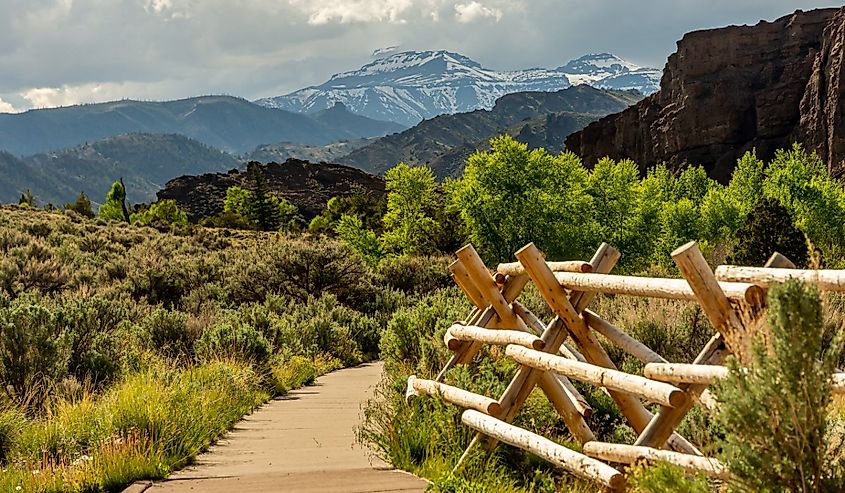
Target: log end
column 587, row 412
column 755, row 295
column 538, row 345
column 678, row 398
column 494, row 409
column 617, row 482
column 684, row 249
column 454, row 344
column 529, row 248
column 500, row 278
column 586, row 268
column 410, row 391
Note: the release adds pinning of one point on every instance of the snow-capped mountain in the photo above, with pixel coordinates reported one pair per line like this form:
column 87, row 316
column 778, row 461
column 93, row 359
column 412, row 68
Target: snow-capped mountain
column 411, row 86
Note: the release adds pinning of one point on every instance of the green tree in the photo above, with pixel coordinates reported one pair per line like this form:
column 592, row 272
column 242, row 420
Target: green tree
column 799, row 181
column 653, row 192
column 241, row 206
column 369, row 208
column 680, row 223
column 114, row 207
column 615, row 188
column 775, row 411
column 81, row 206
column 265, row 211
column 350, row 229
column 692, row 184
column 163, row 211
column 724, row 209
column 28, row 199
column 767, row 229
column 409, row 225
column 511, row 196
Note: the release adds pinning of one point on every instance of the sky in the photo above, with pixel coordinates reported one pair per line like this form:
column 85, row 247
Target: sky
column 63, row 52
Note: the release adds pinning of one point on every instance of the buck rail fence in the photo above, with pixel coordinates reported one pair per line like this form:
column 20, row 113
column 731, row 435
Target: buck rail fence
column 733, row 299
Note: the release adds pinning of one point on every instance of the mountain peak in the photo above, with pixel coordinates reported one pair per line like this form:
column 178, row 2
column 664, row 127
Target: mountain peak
column 594, row 63
column 409, row 86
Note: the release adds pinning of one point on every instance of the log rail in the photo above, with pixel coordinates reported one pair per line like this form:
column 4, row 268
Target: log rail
column 551, row 355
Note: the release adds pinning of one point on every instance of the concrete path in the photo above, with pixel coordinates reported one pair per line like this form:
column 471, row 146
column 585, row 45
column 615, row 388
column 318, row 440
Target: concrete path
column 301, row 442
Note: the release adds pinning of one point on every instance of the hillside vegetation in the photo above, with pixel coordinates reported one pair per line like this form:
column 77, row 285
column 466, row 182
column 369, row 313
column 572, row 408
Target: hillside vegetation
column 460, row 134
column 125, row 350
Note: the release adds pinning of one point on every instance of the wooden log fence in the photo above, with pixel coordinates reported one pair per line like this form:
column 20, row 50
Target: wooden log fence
column 552, row 354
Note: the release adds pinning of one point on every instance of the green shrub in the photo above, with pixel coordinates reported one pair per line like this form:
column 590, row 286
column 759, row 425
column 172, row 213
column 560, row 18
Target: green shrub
column 413, row 338
column 95, row 349
column 168, row 333
column 241, row 343
column 414, row 274
column 163, row 211
column 34, row 348
column 664, row 478
column 775, row 411
column 298, row 269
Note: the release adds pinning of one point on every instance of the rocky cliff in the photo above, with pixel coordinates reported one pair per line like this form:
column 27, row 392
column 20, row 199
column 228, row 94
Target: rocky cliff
column 726, row 91
column 306, row 185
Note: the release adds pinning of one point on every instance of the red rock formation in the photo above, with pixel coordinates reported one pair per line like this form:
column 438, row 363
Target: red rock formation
column 726, row 91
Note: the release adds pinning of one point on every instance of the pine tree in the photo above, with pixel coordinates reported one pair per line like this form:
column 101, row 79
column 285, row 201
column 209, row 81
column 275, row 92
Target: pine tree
column 81, row 206
column 266, row 211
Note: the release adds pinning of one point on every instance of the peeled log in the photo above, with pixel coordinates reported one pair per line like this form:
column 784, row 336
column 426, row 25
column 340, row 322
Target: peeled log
column 459, row 397
column 628, row 454
column 517, row 269
column 838, row 385
column 625, row 342
column 579, row 465
column 661, row 393
column 651, row 287
column 825, row 279
column 495, row 337
column 685, row 373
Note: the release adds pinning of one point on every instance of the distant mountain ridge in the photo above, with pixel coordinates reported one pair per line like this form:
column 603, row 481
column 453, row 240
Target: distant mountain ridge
column 443, row 142
column 231, row 124
column 411, row 86
column 145, row 162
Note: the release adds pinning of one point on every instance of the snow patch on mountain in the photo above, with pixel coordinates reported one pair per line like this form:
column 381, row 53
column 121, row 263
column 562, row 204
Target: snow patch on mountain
column 410, row 86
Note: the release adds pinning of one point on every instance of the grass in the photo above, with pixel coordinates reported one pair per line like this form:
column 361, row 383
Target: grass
column 144, row 427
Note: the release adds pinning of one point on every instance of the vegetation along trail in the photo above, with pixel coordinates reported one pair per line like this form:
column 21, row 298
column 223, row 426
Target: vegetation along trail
column 303, row 441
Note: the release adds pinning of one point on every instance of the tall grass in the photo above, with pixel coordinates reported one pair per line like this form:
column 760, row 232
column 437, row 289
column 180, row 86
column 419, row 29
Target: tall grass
column 145, row 426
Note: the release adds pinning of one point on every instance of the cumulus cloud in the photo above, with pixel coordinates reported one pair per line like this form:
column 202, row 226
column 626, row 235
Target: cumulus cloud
column 7, row 107
column 60, row 52
column 349, row 11
column 474, row 11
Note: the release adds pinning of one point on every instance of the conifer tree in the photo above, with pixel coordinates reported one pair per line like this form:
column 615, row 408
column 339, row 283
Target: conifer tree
column 81, row 206
column 266, row 213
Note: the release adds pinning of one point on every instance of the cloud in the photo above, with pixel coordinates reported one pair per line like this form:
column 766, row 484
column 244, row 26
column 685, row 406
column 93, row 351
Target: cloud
column 350, row 11
column 7, row 107
column 474, row 11
column 55, row 52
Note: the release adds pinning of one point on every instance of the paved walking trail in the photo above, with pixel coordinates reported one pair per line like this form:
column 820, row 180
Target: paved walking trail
column 301, row 442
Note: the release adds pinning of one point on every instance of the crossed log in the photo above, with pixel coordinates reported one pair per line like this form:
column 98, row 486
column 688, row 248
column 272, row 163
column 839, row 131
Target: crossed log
column 549, row 362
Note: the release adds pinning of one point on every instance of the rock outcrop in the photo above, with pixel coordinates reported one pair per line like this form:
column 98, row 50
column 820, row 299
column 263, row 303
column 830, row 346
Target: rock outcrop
column 726, row 91
column 308, row 186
